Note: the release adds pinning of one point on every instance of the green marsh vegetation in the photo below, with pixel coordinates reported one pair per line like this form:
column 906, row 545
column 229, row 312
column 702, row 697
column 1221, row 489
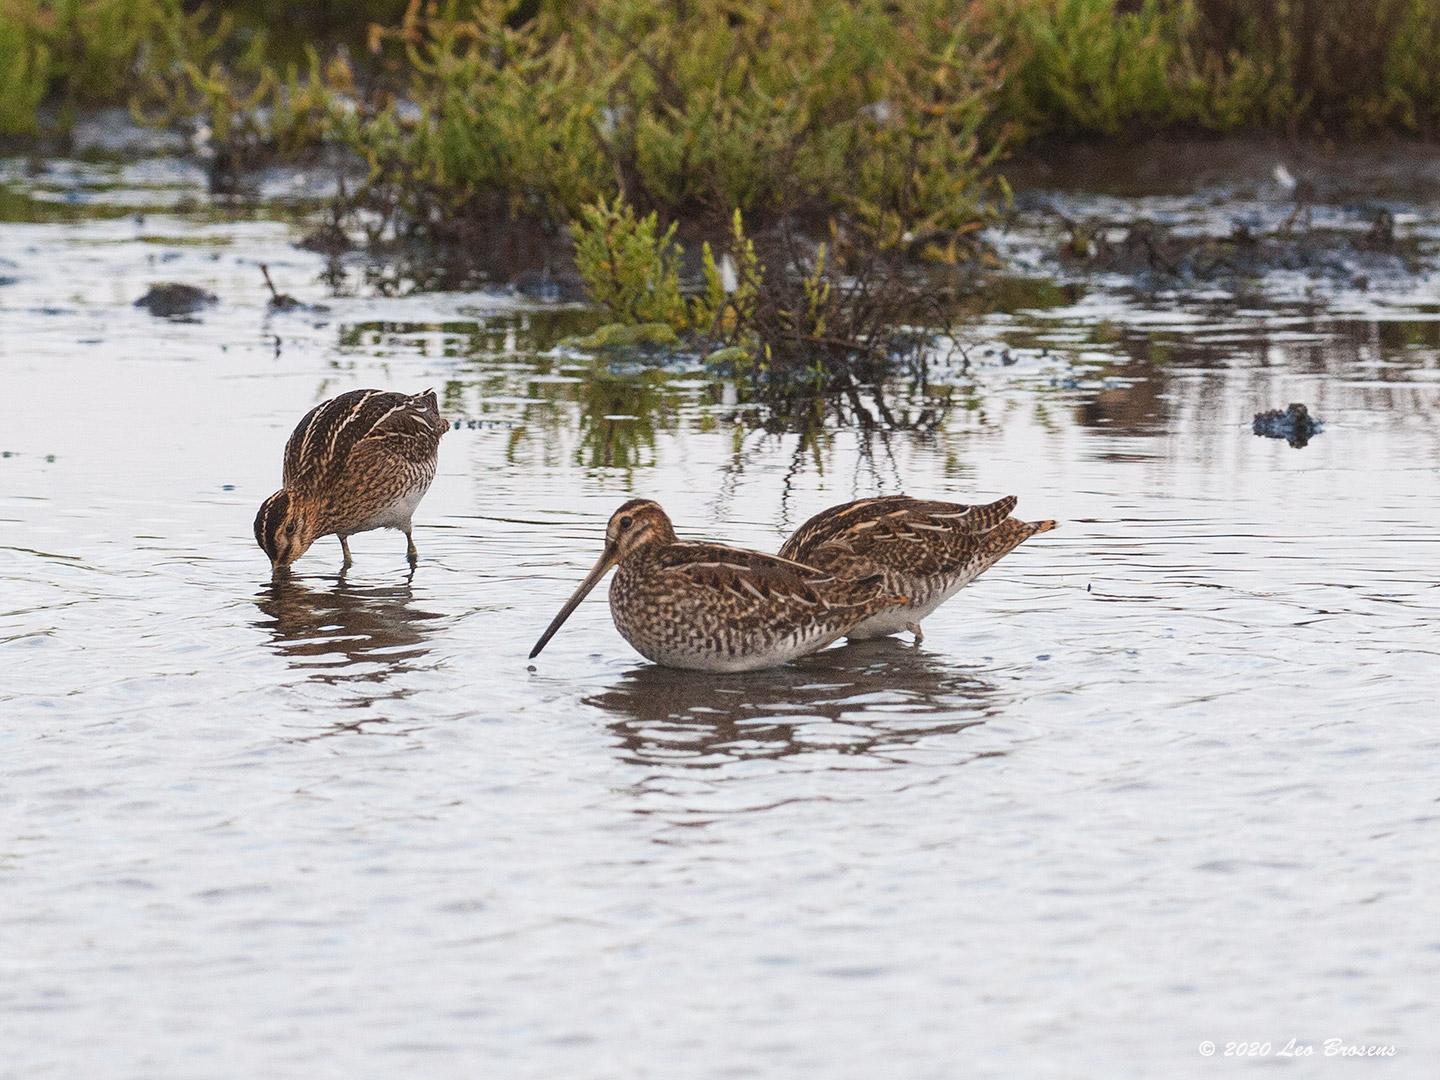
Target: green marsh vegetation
column 791, row 187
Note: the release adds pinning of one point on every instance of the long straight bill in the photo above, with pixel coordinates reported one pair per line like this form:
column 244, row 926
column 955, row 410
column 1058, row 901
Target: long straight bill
column 606, row 561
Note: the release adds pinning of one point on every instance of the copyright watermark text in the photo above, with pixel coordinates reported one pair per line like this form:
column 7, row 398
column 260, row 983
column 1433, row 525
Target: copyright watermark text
column 1296, row 1048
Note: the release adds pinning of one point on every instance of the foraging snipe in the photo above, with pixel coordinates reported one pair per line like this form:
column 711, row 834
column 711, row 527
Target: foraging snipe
column 360, row 461
column 708, row 607
column 924, row 550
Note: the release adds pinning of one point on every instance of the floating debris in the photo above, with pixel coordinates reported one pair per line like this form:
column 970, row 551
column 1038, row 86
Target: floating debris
column 171, row 298
column 479, row 425
column 1295, row 424
column 278, row 301
column 284, row 301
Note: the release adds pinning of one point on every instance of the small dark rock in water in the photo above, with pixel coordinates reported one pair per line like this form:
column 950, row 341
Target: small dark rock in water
column 173, row 298
column 1295, row 425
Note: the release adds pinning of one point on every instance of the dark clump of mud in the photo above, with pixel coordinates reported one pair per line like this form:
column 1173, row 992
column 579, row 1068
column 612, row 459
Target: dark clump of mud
column 170, row 298
column 328, row 239
column 1175, row 213
column 1295, row 424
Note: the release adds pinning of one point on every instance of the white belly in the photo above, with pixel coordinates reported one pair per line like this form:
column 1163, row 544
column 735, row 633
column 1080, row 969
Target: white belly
column 889, row 622
column 896, row 619
column 395, row 516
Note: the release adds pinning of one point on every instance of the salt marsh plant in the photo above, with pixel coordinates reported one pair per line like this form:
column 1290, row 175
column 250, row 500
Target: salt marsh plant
column 631, row 267
column 645, row 128
column 693, row 111
column 1086, row 66
column 707, row 105
column 24, row 76
column 1106, row 68
column 78, row 53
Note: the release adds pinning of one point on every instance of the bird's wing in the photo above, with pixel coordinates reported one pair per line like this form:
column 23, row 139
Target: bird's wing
column 329, row 434
column 411, row 427
column 896, row 532
column 752, row 582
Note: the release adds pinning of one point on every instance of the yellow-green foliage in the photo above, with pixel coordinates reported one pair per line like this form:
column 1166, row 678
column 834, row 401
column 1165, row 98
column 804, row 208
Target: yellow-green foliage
column 630, row 266
column 84, row 52
column 707, row 105
column 251, row 108
column 495, row 112
column 888, row 114
column 1109, row 67
column 24, row 72
column 768, row 106
column 923, row 149
column 168, row 59
column 1085, row 66
column 726, row 310
column 818, row 292
column 773, row 105
column 1411, row 81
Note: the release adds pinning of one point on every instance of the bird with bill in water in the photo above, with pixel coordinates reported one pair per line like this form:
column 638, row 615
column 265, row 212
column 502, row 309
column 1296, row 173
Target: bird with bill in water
column 357, row 462
column 709, row 607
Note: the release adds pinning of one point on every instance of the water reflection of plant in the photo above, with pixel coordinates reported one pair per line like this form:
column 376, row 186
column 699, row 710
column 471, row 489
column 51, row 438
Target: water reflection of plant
column 508, row 372
column 527, row 333
column 520, row 254
column 618, row 417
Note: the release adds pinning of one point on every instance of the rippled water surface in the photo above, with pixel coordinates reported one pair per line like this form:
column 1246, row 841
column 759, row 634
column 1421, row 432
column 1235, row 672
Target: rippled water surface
column 1168, row 774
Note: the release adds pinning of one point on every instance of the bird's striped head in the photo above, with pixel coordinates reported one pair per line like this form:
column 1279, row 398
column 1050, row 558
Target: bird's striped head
column 636, row 524
column 284, row 528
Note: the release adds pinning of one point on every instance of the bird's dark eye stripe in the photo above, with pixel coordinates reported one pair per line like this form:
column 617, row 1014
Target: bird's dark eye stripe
column 267, row 523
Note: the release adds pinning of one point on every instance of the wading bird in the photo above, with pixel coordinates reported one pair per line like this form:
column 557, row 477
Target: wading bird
column 925, row 551
column 708, row 607
column 357, row 462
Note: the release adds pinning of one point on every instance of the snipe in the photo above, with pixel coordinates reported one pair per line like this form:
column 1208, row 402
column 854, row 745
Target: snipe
column 926, row 551
column 357, row 462
column 708, row 607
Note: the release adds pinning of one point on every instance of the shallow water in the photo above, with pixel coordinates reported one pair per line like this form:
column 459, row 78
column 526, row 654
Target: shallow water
column 1165, row 775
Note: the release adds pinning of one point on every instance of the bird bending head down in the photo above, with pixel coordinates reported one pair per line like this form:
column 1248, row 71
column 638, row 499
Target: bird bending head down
column 285, row 528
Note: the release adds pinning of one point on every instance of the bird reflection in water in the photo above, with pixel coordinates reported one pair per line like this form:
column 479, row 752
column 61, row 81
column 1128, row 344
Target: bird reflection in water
column 345, row 634
column 872, row 698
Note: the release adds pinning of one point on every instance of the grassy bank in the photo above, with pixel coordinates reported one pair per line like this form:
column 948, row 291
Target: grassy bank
column 1083, row 68
column 877, row 129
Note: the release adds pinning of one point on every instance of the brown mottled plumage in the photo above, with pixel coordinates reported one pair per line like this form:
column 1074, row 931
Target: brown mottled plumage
column 357, row 462
column 709, row 607
column 925, row 550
